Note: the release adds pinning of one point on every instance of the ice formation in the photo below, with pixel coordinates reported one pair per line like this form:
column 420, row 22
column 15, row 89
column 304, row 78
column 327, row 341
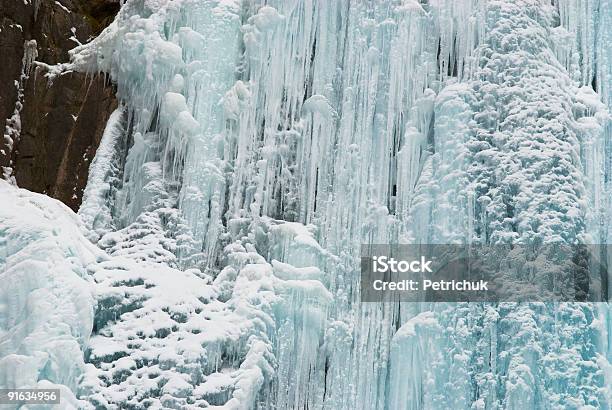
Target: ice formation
column 12, row 129
column 260, row 143
column 46, row 303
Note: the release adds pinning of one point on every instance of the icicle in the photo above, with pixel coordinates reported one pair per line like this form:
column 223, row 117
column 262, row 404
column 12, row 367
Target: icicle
column 268, row 140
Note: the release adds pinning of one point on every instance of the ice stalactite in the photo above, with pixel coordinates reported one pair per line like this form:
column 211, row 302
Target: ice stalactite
column 588, row 33
column 525, row 183
column 453, row 212
column 212, row 47
column 175, row 174
column 104, row 177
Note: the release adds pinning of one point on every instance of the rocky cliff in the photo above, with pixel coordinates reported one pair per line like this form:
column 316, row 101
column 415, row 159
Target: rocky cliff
column 52, row 119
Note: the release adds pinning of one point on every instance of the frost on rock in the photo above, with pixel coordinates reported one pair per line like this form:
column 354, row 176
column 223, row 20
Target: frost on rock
column 260, row 143
column 12, row 129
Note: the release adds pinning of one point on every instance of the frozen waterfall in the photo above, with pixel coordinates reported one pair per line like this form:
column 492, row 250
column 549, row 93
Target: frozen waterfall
column 258, row 144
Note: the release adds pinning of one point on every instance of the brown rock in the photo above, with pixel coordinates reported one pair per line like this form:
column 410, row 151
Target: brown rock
column 53, row 152
column 62, row 124
column 11, row 50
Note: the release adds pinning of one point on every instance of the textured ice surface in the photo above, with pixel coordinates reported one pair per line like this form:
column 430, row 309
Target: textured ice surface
column 259, row 143
column 46, row 300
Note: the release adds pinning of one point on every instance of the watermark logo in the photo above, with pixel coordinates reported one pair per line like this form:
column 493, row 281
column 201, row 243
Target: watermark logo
column 508, row 273
column 382, row 264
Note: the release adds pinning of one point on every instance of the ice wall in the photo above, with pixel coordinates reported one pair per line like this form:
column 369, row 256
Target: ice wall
column 259, row 144
column 46, row 303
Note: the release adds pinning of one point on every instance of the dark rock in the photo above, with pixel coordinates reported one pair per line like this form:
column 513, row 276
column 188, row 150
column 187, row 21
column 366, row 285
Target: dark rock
column 11, row 49
column 49, row 156
column 62, row 124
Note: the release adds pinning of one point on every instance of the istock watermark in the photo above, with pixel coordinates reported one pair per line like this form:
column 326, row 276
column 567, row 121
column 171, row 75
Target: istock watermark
column 382, row 264
column 476, row 273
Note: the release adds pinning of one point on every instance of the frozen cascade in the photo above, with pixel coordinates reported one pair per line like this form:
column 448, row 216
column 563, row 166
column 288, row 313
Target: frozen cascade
column 260, row 143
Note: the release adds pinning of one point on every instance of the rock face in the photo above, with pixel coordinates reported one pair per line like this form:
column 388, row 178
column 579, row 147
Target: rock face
column 62, row 123
column 52, row 124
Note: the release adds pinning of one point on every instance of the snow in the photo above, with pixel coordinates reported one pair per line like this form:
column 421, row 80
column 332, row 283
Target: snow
column 152, row 322
column 61, row 6
column 318, row 104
